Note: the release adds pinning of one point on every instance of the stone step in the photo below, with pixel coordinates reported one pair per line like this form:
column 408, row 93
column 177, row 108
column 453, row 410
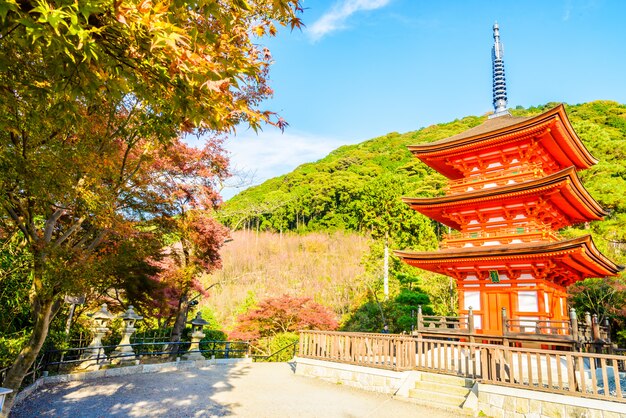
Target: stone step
column 442, row 388
column 444, row 407
column 437, row 397
column 447, row 380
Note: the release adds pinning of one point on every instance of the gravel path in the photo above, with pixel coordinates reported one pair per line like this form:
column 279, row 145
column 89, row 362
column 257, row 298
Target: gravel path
column 245, row 390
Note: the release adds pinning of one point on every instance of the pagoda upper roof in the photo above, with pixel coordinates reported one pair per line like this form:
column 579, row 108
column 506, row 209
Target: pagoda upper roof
column 578, row 255
column 573, row 201
column 562, row 142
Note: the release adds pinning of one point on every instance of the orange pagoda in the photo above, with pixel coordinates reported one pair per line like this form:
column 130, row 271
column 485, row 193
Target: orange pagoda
column 512, row 185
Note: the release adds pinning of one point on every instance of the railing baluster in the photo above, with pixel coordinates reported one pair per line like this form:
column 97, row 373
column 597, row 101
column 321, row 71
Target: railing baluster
column 529, row 365
column 558, row 371
column 616, row 376
column 594, row 379
column 605, row 380
column 539, row 370
column 581, row 373
column 571, row 378
column 549, row 367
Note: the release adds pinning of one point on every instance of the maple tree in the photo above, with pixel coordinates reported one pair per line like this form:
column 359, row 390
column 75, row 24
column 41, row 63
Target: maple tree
column 89, row 91
column 183, row 187
column 283, row 314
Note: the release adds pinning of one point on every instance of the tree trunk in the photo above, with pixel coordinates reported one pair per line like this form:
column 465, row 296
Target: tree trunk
column 28, row 354
column 179, row 324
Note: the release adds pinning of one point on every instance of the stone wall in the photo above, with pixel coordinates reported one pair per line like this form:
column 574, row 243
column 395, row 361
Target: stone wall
column 367, row 378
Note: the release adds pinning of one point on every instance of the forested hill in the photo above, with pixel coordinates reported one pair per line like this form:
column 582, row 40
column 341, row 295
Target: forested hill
column 358, row 187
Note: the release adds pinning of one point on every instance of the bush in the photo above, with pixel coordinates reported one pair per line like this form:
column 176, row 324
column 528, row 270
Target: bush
column 272, row 345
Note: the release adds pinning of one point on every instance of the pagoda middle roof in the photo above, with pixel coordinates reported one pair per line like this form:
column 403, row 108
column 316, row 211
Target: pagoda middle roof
column 574, row 201
column 579, row 255
column 562, row 142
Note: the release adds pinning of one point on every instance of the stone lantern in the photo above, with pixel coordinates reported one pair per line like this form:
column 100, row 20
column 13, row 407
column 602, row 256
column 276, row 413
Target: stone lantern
column 124, row 352
column 196, row 336
column 94, row 353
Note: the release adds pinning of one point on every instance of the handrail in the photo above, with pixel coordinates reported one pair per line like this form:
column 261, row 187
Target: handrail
column 267, row 357
column 72, row 356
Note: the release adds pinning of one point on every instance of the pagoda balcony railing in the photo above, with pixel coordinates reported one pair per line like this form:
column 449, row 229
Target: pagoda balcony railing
column 569, row 332
column 495, row 179
column 504, row 236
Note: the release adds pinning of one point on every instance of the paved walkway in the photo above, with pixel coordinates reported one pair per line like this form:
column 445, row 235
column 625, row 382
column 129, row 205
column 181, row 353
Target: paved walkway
column 254, row 390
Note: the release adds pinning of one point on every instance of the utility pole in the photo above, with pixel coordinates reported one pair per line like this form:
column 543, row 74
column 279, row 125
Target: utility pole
column 386, row 268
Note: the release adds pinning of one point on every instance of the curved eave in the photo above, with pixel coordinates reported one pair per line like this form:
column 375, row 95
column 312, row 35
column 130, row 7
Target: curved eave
column 568, row 144
column 579, row 254
column 579, row 204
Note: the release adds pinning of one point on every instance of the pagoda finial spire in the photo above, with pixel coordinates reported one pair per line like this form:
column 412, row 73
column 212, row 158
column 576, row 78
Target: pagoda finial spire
column 499, row 82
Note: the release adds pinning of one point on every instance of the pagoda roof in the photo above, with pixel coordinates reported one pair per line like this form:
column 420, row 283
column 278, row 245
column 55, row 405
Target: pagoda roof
column 578, row 256
column 561, row 142
column 573, row 201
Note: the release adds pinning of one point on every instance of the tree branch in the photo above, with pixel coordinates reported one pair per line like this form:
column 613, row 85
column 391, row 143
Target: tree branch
column 70, row 231
column 50, row 224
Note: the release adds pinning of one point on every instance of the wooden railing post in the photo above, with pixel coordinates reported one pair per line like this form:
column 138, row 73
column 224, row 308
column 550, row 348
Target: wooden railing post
column 607, row 330
column 595, row 328
column 588, row 335
column 573, row 320
column 420, row 318
column 505, row 328
column 470, row 326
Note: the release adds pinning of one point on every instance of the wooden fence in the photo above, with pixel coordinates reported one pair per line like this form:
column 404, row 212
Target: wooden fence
column 598, row 376
column 386, row 351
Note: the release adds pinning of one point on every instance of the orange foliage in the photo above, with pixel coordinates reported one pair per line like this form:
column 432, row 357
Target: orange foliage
column 283, row 314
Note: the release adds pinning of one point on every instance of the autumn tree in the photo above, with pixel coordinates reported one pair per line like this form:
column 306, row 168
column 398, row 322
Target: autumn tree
column 87, row 89
column 183, row 183
column 283, row 314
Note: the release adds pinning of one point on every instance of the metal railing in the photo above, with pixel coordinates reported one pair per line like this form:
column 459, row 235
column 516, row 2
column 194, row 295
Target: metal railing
column 294, row 346
column 77, row 358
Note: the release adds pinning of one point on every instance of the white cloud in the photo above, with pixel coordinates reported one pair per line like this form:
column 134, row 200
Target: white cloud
column 272, row 153
column 335, row 18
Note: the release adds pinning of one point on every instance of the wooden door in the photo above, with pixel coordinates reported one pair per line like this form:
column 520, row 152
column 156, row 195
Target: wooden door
column 495, row 302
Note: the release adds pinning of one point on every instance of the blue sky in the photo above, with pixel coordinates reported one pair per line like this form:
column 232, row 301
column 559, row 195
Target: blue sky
column 363, row 68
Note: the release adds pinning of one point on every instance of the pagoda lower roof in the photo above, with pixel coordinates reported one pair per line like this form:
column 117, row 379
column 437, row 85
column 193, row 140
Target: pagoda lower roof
column 562, row 190
column 552, row 126
column 578, row 256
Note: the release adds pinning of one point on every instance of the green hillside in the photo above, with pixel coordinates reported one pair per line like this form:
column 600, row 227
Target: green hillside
column 358, row 187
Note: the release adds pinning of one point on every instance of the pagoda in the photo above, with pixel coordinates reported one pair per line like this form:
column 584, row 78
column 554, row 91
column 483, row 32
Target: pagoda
column 512, row 184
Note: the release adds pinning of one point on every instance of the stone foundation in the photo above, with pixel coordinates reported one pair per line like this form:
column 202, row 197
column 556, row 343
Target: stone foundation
column 501, row 401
